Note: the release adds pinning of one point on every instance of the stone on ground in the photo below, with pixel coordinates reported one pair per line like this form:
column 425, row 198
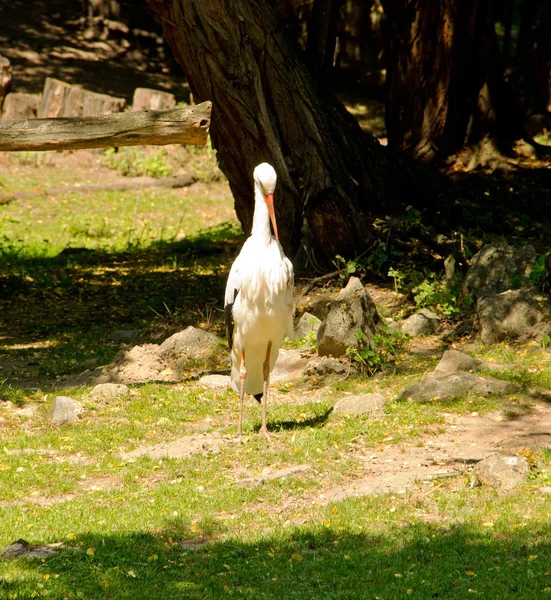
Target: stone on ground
column 110, row 390
column 521, row 315
column 322, row 366
column 454, row 361
column 65, row 410
column 496, row 268
column 290, row 365
column 362, row 404
column 351, row 312
column 307, row 323
column 454, row 386
column 216, row 381
column 503, row 472
column 425, row 322
column 192, row 343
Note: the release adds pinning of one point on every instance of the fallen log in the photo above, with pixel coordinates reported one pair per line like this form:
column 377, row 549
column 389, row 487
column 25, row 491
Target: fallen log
column 130, row 183
column 180, row 125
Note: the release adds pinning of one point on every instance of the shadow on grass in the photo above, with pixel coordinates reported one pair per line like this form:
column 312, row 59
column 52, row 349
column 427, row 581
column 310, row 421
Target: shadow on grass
column 315, row 421
column 408, row 561
column 60, row 311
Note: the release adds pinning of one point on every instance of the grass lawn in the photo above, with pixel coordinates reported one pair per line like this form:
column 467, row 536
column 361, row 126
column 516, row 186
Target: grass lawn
column 208, row 525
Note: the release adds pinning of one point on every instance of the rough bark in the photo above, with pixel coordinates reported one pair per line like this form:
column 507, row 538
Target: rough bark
column 444, row 59
column 267, row 106
column 183, row 125
column 534, row 54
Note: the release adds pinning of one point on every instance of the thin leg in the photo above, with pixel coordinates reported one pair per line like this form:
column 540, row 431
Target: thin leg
column 242, row 375
column 264, row 429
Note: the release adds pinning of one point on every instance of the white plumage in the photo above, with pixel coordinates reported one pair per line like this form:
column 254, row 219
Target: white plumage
column 259, row 299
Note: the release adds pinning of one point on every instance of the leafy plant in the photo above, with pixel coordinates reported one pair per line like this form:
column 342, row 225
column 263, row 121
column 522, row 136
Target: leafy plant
column 133, row 163
column 379, row 351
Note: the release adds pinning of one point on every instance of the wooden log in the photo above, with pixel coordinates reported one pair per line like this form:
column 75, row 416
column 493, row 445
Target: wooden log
column 59, row 99
column 20, row 106
column 181, row 125
column 5, row 79
column 131, row 183
column 148, row 99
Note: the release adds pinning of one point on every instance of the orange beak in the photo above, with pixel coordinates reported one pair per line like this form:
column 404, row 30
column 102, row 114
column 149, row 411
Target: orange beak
column 271, row 212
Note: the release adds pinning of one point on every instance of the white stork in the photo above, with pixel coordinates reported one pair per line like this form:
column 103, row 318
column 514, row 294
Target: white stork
column 259, row 299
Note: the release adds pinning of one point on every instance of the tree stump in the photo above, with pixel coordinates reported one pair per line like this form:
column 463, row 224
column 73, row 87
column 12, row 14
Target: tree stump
column 148, row 99
column 5, row 79
column 59, row 99
column 20, row 106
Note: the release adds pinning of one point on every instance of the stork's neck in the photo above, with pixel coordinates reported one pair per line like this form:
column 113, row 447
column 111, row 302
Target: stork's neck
column 261, row 219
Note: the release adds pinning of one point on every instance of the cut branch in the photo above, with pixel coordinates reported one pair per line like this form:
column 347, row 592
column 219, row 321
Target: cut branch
column 182, row 125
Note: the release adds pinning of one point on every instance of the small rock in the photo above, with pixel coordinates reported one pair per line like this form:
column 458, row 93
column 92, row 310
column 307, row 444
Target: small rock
column 454, row 361
column 308, row 322
column 216, row 381
column 190, row 343
column 545, row 490
column 290, row 364
column 392, row 325
column 324, row 365
column 503, row 472
column 363, row 404
column 425, row 322
column 454, row 386
column 123, row 335
column 22, row 548
column 65, row 410
column 352, row 312
column 110, row 390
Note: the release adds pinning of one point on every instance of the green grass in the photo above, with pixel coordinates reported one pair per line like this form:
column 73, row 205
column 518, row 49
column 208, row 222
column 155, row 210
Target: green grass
column 144, row 528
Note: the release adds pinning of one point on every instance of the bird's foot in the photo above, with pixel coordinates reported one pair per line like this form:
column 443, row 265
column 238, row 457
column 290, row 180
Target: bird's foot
column 264, row 431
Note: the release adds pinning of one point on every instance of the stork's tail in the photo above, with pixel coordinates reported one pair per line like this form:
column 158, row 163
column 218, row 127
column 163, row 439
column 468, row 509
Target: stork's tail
column 258, row 397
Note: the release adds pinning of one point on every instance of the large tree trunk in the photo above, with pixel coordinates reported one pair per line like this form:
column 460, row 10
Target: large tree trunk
column 534, row 54
column 268, row 107
column 446, row 90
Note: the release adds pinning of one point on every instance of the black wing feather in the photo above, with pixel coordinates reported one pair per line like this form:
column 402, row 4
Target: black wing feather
column 228, row 311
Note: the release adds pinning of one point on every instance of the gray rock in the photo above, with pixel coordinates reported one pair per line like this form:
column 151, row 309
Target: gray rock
column 123, row 335
column 352, row 311
column 192, row 343
column 521, row 315
column 425, row 322
column 290, row 364
column 391, row 325
column 110, row 389
column 22, row 548
column 322, row 366
column 454, row 361
column 308, row 322
column 503, row 472
column 65, row 410
column 496, row 268
column 216, row 381
column 454, row 386
column 363, row 404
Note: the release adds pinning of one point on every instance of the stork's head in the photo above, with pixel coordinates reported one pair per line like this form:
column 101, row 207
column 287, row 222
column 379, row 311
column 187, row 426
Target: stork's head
column 265, row 179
